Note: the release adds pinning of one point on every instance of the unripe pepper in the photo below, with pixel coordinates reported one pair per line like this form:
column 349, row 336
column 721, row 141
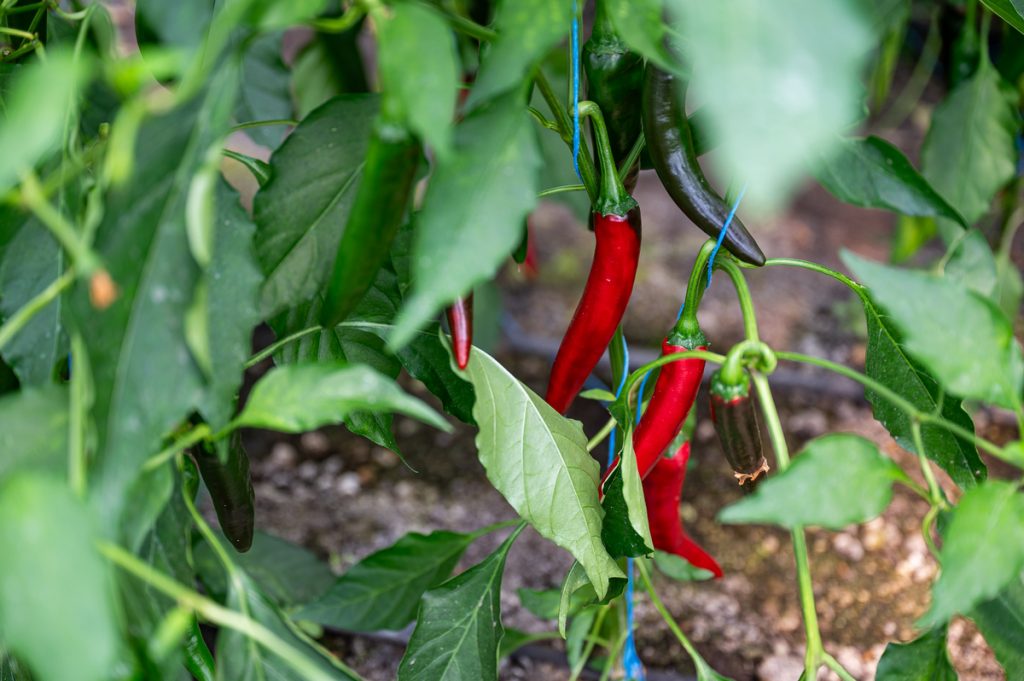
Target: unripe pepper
column 663, row 490
column 230, row 487
column 615, row 77
column 735, row 419
column 460, row 323
column 609, row 285
column 671, row 149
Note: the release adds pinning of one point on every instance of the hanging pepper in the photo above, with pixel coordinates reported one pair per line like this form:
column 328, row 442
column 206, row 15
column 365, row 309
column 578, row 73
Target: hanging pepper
column 610, row 283
column 676, row 388
column 615, row 77
column 230, row 487
column 735, row 419
column 663, row 490
column 460, row 323
column 671, row 149
column 385, row 188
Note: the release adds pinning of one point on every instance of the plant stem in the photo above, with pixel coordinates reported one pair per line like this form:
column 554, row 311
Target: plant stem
column 262, row 124
column 739, row 282
column 561, row 189
column 26, row 312
column 612, row 195
column 214, row 612
column 78, row 414
column 587, row 173
column 667, row 616
column 589, row 647
column 17, row 33
column 913, row 412
column 601, row 435
column 277, row 345
column 200, row 432
column 32, row 195
column 814, row 267
column 934, row 491
column 637, row 375
column 834, row 665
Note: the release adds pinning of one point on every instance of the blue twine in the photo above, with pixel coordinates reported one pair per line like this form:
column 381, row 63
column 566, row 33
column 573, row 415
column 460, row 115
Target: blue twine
column 721, row 235
column 618, row 391
column 631, row 663
column 575, row 90
column 640, row 395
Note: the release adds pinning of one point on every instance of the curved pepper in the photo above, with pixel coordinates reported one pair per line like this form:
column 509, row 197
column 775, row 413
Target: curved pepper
column 735, row 419
column 671, row 149
column 615, row 77
column 663, row 490
column 230, row 487
column 609, row 285
column 460, row 322
column 385, row 188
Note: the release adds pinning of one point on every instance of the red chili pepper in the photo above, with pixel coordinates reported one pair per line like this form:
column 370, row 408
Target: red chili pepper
column 600, row 308
column 663, row 489
column 460, row 322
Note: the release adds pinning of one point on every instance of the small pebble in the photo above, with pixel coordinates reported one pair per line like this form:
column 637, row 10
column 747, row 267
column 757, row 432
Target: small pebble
column 348, row 484
column 315, row 442
column 283, row 455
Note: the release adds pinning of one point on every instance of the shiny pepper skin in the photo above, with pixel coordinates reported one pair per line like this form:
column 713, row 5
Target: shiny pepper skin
column 663, row 490
column 460, row 323
column 604, row 300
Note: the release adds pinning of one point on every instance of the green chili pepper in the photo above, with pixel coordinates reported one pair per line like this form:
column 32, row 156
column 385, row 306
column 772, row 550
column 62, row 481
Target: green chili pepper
column 735, row 419
column 230, row 488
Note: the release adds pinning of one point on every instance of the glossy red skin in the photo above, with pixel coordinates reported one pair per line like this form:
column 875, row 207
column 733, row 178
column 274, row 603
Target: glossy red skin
column 663, row 490
column 601, row 306
column 673, row 397
column 460, row 321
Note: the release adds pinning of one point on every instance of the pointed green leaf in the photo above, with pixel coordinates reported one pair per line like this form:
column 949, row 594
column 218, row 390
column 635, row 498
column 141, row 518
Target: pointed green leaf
column 837, row 480
column 976, row 357
column 888, row 363
column 419, row 72
column 1001, row 621
column 923, row 659
column 969, row 152
column 473, row 210
column 982, row 550
column 625, row 531
column 458, row 627
column 51, row 601
column 301, row 397
column 300, row 211
column 383, row 590
column 972, row 264
column 679, row 568
column 1011, row 11
column 872, row 173
column 538, row 460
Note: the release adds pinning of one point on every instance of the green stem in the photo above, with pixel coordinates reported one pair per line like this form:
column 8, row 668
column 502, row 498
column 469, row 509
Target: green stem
column 277, row 345
column 687, row 326
column 17, row 33
column 85, row 260
column 263, row 124
column 632, row 156
column 215, row 613
column 613, row 654
column 919, row 77
column 612, row 197
column 634, row 378
column 471, row 28
column 739, row 282
column 197, row 434
column 814, row 267
column 934, row 491
column 78, row 415
column 608, row 427
column 667, row 616
column 589, row 647
column 733, row 373
column 340, row 24
column 587, row 173
column 812, row 660
column 913, row 412
column 26, row 312
column 562, row 189
column 834, row 665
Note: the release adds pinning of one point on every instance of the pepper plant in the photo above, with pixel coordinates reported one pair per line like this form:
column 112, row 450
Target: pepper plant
column 132, row 278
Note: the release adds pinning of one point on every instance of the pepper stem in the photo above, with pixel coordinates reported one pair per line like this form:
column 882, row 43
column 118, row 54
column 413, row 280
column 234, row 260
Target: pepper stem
column 612, row 197
column 687, row 326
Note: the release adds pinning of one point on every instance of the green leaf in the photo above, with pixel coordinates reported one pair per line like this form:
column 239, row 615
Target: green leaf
column 427, row 360
column 641, row 25
column 52, row 602
column 383, row 590
column 837, row 480
column 228, row 307
column 982, row 550
column 976, row 357
column 887, row 362
column 911, row 234
column 969, row 152
column 576, row 636
column 872, row 173
column 30, row 261
column 419, row 72
column 348, row 343
column 625, row 531
column 514, row 639
column 271, row 14
column 539, row 462
column 301, row 397
column 1009, row 10
column 545, row 603
column 330, row 65
column 265, row 93
column 923, row 659
column 34, row 430
column 777, row 88
column 240, row 658
column 1009, row 286
column 146, row 380
column 458, row 626
column 527, row 29
column 181, row 24
column 298, row 212
column 1001, row 622
column 35, row 109
column 473, row 210
column 972, row 264
column 288, row 574
column 598, row 394
column 680, row 569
